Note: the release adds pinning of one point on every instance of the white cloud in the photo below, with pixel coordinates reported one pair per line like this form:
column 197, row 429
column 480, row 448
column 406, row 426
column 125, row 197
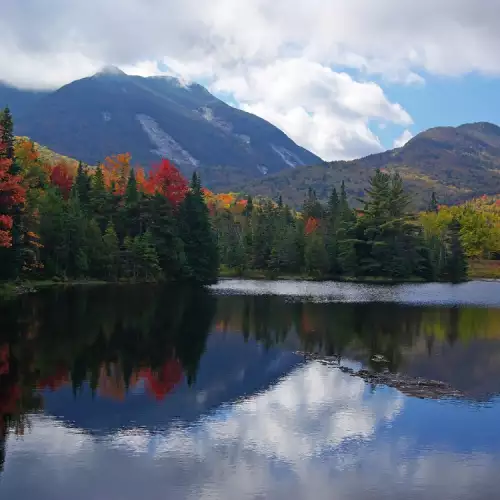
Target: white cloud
column 400, row 141
column 277, row 56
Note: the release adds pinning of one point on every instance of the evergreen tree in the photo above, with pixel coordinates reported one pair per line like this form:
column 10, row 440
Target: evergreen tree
column 100, row 205
column 249, row 207
column 316, row 257
column 164, row 230
column 200, row 244
column 111, row 253
column 131, row 210
column 82, row 185
column 433, row 203
column 312, row 207
column 456, row 262
column 13, row 260
column 344, row 209
column 334, row 205
column 7, row 138
column 95, row 249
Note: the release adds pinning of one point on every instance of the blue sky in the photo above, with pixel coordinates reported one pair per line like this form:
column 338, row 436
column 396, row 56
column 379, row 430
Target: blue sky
column 445, row 101
column 327, row 72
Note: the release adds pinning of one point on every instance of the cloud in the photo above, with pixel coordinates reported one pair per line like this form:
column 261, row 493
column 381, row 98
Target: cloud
column 279, row 57
column 400, row 141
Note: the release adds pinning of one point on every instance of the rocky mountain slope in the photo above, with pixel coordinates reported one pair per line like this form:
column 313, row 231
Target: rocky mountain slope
column 155, row 117
column 457, row 162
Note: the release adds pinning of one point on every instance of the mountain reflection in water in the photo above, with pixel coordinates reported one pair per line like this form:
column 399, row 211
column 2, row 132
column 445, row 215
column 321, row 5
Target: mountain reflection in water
column 113, row 392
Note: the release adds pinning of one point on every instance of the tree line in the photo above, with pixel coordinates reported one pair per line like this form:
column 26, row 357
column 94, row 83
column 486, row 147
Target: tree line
column 64, row 220
column 112, row 222
column 381, row 240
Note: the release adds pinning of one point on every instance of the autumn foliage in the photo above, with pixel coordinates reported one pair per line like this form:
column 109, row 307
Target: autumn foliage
column 62, row 177
column 311, row 225
column 11, row 193
column 165, row 179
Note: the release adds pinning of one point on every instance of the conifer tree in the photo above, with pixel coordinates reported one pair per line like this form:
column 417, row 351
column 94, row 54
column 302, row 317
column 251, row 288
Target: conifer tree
column 433, row 203
column 200, row 244
column 456, row 262
column 111, row 253
column 7, row 138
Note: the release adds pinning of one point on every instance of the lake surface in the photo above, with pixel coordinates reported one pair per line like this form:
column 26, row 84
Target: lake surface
column 241, row 391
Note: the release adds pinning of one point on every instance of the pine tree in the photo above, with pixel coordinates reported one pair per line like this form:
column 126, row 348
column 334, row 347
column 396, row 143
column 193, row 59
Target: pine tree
column 333, row 205
column 344, row 209
column 165, row 232
column 99, row 199
column 131, row 211
column 7, row 138
column 12, row 260
column 95, row 249
column 111, row 253
column 456, row 266
column 433, row 203
column 316, row 257
column 249, row 207
column 312, row 207
column 82, row 186
column 199, row 239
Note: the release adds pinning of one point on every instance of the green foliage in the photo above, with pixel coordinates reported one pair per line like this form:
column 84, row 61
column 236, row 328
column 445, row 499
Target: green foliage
column 200, row 245
column 96, row 228
column 383, row 240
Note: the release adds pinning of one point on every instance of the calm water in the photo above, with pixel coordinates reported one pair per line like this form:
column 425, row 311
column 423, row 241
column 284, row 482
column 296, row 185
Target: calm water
column 140, row 392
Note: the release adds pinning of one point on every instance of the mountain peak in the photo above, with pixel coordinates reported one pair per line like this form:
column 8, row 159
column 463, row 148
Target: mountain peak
column 110, row 70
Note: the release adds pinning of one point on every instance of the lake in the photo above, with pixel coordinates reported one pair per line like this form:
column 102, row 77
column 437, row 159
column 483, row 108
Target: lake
column 251, row 390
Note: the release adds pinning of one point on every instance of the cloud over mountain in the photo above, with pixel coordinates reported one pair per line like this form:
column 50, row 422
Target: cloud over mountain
column 286, row 60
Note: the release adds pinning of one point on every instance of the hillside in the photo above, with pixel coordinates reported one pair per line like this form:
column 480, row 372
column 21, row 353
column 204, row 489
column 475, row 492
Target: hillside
column 19, row 101
column 458, row 163
column 153, row 118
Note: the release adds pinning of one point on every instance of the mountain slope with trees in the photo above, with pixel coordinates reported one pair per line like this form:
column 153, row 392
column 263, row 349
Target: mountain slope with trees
column 456, row 163
column 111, row 112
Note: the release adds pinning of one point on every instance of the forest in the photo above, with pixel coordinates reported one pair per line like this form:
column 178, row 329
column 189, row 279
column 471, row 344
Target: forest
column 112, row 222
column 61, row 220
column 382, row 240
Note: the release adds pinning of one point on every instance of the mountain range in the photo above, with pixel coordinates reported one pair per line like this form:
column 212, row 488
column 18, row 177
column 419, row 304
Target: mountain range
column 458, row 163
column 112, row 112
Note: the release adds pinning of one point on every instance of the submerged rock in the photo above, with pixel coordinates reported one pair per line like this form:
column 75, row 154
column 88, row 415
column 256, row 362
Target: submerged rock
column 411, row 386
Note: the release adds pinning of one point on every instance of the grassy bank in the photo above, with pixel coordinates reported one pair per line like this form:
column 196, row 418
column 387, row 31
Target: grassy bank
column 10, row 290
column 226, row 273
column 484, row 269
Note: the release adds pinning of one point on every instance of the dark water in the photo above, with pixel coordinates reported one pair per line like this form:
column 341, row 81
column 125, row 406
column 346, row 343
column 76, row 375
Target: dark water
column 141, row 392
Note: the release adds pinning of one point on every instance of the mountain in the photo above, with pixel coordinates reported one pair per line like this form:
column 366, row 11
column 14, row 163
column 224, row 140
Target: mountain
column 19, row 101
column 458, row 163
column 155, row 117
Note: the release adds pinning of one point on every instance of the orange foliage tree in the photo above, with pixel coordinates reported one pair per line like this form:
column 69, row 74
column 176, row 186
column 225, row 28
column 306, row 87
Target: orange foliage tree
column 116, row 170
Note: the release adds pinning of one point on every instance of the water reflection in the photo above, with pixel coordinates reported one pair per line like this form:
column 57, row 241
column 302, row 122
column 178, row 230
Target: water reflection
column 117, row 391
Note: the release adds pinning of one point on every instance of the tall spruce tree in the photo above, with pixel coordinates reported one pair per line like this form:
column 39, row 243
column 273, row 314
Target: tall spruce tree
column 200, row 244
column 456, row 266
column 433, row 203
column 7, row 138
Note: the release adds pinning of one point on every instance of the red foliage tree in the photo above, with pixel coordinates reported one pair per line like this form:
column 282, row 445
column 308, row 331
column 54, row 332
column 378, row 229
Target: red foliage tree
column 62, row 177
column 311, row 225
column 166, row 179
column 12, row 193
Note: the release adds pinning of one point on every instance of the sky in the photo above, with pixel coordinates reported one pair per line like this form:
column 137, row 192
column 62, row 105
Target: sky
column 342, row 78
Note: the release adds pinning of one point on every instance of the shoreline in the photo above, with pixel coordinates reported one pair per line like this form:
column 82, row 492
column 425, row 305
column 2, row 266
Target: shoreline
column 10, row 290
